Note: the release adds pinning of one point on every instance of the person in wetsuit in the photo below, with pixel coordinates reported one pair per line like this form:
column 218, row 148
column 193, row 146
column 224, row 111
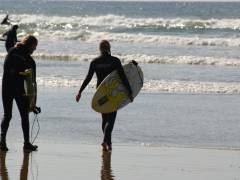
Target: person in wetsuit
column 11, row 39
column 5, row 20
column 103, row 66
column 16, row 62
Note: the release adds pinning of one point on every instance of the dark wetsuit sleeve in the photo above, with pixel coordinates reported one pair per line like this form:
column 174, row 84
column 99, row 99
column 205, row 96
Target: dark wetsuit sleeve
column 15, row 37
column 123, row 77
column 34, row 71
column 88, row 77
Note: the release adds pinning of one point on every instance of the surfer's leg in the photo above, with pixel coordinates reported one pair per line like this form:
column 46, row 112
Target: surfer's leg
column 7, row 107
column 22, row 103
column 109, row 128
column 104, row 121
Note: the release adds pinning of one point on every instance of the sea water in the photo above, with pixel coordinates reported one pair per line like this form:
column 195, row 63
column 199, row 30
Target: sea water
column 189, row 53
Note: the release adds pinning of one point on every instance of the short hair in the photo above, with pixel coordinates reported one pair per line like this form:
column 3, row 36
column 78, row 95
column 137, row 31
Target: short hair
column 104, row 46
column 15, row 26
column 27, row 42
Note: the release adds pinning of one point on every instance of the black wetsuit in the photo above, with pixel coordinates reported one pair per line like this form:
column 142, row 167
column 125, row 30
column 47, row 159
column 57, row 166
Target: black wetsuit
column 13, row 88
column 103, row 66
column 5, row 21
column 11, row 38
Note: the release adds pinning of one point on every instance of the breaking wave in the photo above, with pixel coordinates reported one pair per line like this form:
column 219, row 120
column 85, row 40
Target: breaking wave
column 154, row 86
column 143, row 58
column 126, row 29
column 112, row 21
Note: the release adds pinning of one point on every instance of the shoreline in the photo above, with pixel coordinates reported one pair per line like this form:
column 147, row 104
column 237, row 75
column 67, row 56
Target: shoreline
column 175, row 120
column 78, row 161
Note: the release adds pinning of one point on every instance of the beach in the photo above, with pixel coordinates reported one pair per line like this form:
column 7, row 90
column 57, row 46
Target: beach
column 68, row 161
column 184, row 124
column 153, row 119
column 69, row 146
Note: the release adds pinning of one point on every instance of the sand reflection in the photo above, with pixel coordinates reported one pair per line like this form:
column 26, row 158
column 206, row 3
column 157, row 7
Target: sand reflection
column 3, row 168
column 24, row 167
column 106, row 171
column 25, row 164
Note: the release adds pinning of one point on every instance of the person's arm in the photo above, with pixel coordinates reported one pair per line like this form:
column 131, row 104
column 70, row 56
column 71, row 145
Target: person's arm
column 86, row 81
column 34, row 71
column 124, row 79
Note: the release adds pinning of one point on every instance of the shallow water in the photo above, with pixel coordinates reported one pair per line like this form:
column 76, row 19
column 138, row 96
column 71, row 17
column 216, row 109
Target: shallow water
column 189, row 55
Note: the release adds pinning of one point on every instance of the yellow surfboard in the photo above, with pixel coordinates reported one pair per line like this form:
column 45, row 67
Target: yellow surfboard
column 30, row 88
column 112, row 95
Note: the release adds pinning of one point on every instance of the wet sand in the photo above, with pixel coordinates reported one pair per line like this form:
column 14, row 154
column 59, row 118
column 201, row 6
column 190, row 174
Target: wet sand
column 68, row 161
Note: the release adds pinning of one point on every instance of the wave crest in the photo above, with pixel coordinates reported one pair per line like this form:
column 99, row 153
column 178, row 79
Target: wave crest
column 112, row 21
column 126, row 29
column 143, row 58
column 154, row 86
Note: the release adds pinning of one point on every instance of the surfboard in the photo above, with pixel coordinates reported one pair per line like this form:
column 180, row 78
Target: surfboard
column 30, row 88
column 112, row 95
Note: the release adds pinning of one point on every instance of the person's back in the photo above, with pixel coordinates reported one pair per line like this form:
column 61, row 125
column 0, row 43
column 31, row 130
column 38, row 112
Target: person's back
column 16, row 61
column 104, row 65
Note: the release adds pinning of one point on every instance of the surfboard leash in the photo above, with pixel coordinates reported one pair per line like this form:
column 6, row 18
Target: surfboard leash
column 35, row 120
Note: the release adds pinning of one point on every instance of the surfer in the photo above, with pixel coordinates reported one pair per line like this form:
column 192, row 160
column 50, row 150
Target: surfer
column 6, row 21
column 11, row 39
column 103, row 66
column 17, row 61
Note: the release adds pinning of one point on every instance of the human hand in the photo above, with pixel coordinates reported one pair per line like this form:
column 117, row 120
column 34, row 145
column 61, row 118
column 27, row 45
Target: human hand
column 78, row 96
column 27, row 72
column 131, row 98
column 36, row 110
column 134, row 62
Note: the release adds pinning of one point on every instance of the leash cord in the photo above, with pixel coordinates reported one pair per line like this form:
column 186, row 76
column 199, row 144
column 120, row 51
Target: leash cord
column 34, row 121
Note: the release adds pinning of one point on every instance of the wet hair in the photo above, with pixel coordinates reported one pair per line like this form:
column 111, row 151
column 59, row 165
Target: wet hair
column 104, row 47
column 15, row 26
column 27, row 43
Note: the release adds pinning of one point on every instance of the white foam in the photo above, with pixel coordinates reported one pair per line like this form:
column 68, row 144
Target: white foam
column 143, row 58
column 151, row 86
column 165, row 40
column 123, row 21
column 192, row 87
column 92, row 29
column 62, row 82
column 189, row 60
column 154, row 86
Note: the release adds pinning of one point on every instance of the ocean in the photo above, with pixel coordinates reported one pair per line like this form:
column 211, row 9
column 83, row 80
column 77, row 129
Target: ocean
column 189, row 53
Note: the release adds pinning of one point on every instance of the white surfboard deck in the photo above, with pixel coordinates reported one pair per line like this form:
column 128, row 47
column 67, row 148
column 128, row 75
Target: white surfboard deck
column 112, row 95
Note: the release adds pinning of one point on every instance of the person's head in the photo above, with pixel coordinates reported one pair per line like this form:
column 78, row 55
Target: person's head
column 15, row 27
column 28, row 44
column 105, row 47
